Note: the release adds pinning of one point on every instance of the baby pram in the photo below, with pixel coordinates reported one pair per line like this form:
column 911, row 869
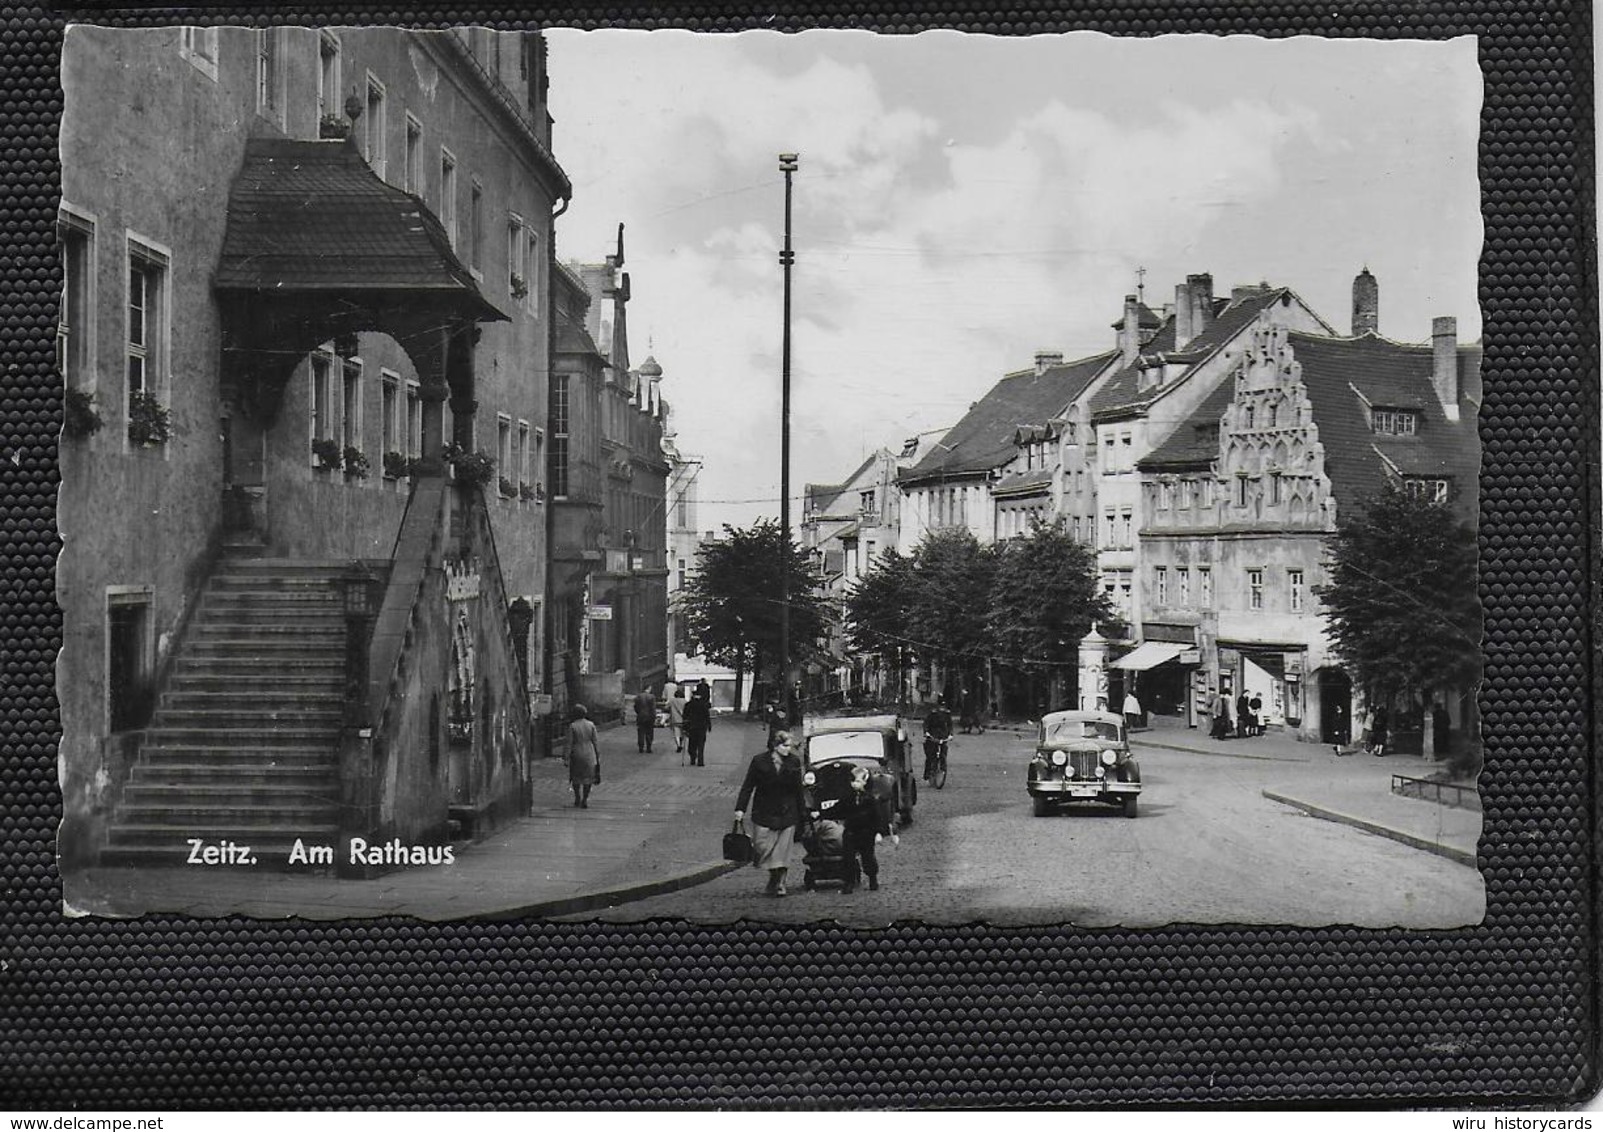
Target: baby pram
column 824, row 840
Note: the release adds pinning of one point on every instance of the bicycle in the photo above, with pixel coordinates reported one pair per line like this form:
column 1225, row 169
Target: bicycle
column 935, row 751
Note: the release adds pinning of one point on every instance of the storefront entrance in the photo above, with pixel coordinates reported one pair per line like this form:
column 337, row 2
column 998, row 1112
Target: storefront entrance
column 1335, row 705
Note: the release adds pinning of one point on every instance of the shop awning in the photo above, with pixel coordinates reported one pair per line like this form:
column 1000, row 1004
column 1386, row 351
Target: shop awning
column 1150, row 654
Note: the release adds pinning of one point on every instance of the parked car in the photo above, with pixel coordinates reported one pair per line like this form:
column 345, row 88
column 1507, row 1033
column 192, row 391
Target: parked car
column 1083, row 756
column 877, row 742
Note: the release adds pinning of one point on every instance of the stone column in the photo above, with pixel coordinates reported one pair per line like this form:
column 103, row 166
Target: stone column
column 428, row 353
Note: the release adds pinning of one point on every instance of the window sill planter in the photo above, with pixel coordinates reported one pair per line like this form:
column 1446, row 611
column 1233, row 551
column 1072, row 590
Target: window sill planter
column 471, row 469
column 356, row 465
column 149, row 422
column 527, row 492
column 328, row 455
column 79, row 417
column 509, row 490
column 396, row 466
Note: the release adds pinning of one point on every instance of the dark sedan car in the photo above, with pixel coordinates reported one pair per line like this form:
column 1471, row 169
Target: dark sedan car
column 879, row 743
column 1083, row 756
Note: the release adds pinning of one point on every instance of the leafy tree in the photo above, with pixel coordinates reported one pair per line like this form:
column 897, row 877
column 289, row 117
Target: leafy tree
column 946, row 614
column 731, row 606
column 1404, row 613
column 878, row 613
column 1045, row 597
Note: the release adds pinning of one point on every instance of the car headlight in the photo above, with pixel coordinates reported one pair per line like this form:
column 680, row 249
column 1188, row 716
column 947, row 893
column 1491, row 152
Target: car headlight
column 1109, row 758
column 1059, row 758
column 1101, row 772
column 809, row 778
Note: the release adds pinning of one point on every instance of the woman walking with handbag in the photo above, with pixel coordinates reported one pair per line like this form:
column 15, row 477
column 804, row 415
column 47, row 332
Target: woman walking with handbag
column 773, row 787
column 584, row 756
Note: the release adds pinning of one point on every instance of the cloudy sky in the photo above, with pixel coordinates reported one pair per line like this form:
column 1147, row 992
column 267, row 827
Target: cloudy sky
column 965, row 201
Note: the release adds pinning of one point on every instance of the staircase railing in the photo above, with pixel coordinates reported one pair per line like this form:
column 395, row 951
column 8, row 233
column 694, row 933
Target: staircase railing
column 376, row 706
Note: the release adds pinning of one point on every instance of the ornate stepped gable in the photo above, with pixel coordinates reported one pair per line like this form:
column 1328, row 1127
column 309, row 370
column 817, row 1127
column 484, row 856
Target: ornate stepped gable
column 1267, row 433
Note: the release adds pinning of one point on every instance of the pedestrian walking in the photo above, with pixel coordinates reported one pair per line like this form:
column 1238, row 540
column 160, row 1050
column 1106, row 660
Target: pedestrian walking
column 1132, row 711
column 1257, row 713
column 676, row 717
column 866, row 822
column 1366, row 730
column 774, row 718
column 645, row 718
column 773, row 789
column 584, row 756
column 1220, row 728
column 1378, row 730
column 697, row 722
column 1243, row 716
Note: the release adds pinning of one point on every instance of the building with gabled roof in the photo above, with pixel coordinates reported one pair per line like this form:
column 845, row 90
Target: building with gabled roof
column 1163, row 378
column 950, row 487
column 1239, row 500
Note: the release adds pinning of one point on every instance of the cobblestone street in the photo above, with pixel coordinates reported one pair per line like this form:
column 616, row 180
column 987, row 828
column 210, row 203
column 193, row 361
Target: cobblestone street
column 1208, row 847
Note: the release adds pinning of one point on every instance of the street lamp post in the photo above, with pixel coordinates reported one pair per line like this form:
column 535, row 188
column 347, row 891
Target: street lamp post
column 788, row 163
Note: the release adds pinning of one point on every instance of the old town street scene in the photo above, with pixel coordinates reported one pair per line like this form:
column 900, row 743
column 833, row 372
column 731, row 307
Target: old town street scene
column 816, row 477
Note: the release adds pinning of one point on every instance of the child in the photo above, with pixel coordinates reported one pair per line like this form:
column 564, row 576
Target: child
column 866, row 819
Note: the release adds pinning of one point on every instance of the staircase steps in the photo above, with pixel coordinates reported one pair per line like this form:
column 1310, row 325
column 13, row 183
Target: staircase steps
column 244, row 743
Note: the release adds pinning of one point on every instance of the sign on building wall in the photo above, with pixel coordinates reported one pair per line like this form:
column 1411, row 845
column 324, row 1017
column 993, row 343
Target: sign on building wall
column 600, row 613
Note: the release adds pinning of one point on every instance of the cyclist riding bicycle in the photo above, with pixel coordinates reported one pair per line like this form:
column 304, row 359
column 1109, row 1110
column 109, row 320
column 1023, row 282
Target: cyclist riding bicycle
column 937, row 730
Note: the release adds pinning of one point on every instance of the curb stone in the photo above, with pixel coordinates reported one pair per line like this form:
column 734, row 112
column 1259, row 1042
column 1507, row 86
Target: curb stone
column 610, row 897
column 1452, row 853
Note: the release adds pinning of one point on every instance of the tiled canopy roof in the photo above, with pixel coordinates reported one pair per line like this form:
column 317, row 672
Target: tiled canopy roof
column 1122, row 392
column 983, row 439
column 310, row 216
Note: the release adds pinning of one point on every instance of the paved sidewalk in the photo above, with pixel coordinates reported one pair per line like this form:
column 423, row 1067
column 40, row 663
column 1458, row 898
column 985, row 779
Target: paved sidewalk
column 653, row 825
column 1354, row 790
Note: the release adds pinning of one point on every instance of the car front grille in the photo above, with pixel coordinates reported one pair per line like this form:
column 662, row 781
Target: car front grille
column 1083, row 763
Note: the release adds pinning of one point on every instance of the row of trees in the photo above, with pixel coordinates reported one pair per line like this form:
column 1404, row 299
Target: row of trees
column 954, row 604
column 1404, row 615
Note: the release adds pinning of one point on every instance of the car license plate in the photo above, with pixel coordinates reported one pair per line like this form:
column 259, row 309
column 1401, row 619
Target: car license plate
column 1085, row 791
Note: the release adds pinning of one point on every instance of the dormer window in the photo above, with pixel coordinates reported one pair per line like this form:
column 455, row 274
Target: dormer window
column 1394, row 422
column 1426, row 487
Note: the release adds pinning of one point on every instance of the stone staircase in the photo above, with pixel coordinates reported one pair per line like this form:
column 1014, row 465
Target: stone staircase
column 243, row 744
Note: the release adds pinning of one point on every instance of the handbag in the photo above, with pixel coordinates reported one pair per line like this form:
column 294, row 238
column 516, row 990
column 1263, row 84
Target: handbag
column 737, row 845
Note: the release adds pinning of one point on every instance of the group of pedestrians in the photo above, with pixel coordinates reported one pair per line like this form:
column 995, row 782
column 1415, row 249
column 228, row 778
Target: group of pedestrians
column 689, row 720
column 1249, row 720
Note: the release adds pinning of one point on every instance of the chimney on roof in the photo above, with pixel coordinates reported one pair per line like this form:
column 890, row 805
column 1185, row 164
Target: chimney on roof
column 1246, row 291
column 1183, row 312
column 1444, row 363
column 1366, row 304
column 1046, row 359
column 1130, row 330
column 1201, row 303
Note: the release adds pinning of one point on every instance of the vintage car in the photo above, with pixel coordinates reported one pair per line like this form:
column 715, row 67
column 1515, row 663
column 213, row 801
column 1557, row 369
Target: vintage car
column 877, row 742
column 1083, row 756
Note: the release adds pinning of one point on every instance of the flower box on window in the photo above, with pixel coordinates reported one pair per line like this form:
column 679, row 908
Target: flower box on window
column 475, row 469
column 328, row 453
column 526, row 492
column 520, row 286
column 356, row 465
column 509, row 490
column 396, row 466
column 79, row 416
column 149, row 423
column 331, row 127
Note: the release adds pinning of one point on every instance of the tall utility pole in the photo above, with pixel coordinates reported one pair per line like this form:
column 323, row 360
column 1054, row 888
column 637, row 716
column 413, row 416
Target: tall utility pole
column 787, row 165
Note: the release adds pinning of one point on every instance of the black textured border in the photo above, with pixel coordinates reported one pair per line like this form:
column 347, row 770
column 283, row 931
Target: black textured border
column 179, row 1013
